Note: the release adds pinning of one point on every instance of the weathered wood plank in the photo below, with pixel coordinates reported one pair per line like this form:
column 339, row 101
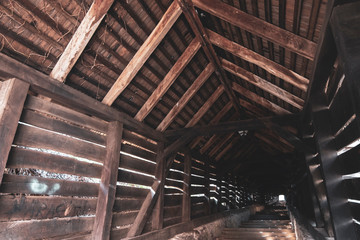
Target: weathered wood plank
column 190, row 92
column 138, row 165
column 139, row 141
column 12, row 97
column 26, row 158
column 80, row 39
column 23, row 207
column 259, row 60
column 144, row 52
column 46, row 186
column 169, row 79
column 106, row 197
column 64, row 113
column 138, row 152
column 45, row 228
column 38, row 138
column 49, row 123
column 262, row 83
column 259, row 27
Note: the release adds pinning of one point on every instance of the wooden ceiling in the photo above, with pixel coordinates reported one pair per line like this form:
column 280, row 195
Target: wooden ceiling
column 178, row 64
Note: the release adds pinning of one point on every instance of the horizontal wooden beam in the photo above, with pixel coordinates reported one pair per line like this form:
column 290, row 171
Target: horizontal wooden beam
column 263, row 84
column 259, row 27
column 272, row 67
column 259, row 100
column 190, row 92
column 68, row 96
column 169, row 79
column 234, row 126
column 144, row 52
column 80, row 39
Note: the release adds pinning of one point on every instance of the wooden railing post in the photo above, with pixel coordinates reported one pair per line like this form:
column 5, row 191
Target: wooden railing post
column 186, row 201
column 13, row 93
column 107, row 188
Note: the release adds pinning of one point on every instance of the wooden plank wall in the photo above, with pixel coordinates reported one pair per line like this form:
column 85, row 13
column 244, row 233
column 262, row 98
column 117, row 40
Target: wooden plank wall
column 60, row 170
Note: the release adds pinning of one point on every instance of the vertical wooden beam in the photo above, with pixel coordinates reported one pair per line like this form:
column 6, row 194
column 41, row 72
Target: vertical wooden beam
column 342, row 222
column 207, row 186
column 158, row 211
column 80, row 39
column 186, row 201
column 12, row 97
column 144, row 52
column 107, row 188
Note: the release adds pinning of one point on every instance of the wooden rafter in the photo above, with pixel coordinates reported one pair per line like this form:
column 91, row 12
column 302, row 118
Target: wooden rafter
column 190, row 92
column 199, row 30
column 215, row 120
column 261, row 61
column 260, row 100
column 80, row 39
column 220, row 144
column 259, row 27
column 228, row 147
column 204, row 108
column 263, row 84
column 144, row 52
column 169, row 79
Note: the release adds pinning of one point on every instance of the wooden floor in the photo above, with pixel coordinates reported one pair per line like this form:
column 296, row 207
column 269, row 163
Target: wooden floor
column 273, row 223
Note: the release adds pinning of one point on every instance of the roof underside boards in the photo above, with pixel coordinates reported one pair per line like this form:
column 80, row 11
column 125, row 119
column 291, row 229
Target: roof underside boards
column 253, row 59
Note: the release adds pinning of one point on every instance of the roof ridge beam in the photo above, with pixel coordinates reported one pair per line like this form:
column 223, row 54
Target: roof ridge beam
column 80, row 39
column 190, row 92
column 272, row 67
column 259, row 27
column 169, row 79
column 144, row 52
column 199, row 30
column 262, row 83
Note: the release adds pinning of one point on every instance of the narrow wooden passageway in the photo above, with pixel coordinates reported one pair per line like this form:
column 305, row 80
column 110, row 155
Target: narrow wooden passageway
column 271, row 223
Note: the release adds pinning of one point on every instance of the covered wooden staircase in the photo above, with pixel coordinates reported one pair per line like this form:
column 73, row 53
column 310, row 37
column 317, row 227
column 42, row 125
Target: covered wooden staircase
column 272, row 223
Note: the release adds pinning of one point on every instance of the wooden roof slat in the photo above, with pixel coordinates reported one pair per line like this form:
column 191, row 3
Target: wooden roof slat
column 220, row 144
column 80, row 39
column 259, row 100
column 144, row 52
column 227, row 148
column 263, row 62
column 259, row 27
column 199, row 30
column 263, row 84
column 169, row 79
column 204, row 108
column 200, row 80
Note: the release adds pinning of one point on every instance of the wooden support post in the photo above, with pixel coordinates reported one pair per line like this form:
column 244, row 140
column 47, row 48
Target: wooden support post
column 107, row 188
column 13, row 93
column 207, row 187
column 186, row 201
column 158, row 213
column 220, row 201
column 150, row 200
column 343, row 225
